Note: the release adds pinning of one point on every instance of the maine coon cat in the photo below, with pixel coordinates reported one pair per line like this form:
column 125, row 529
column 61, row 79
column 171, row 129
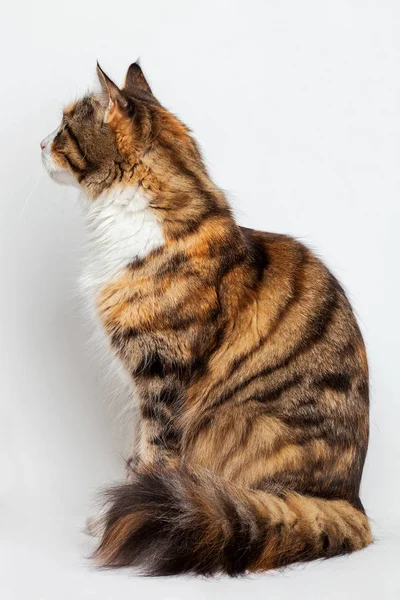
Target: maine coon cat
column 250, row 369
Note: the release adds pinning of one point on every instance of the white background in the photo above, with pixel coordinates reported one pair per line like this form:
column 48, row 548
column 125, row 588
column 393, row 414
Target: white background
column 296, row 106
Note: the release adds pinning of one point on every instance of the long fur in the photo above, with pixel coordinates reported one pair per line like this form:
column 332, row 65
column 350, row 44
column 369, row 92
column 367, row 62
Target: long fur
column 181, row 521
column 250, row 369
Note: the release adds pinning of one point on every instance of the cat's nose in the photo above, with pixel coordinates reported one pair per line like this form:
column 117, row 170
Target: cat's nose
column 43, row 144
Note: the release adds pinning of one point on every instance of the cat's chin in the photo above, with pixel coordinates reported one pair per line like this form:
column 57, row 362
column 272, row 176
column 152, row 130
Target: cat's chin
column 64, row 178
column 57, row 174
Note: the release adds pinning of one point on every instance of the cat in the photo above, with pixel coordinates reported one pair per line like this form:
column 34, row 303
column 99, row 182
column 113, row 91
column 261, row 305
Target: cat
column 249, row 367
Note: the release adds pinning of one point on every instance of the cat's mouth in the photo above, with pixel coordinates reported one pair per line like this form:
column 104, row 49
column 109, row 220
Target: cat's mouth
column 57, row 173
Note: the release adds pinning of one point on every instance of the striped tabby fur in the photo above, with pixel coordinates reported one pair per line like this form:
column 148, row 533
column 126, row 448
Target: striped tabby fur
column 250, row 368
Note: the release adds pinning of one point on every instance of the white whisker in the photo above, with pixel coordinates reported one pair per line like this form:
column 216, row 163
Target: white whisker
column 25, row 204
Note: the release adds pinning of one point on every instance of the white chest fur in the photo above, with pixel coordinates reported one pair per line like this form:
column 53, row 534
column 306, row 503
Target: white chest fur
column 120, row 228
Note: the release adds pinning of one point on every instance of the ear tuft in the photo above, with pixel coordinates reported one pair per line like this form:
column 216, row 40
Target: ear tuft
column 135, row 80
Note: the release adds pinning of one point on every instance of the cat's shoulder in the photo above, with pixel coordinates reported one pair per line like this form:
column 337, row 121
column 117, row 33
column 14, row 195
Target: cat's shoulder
column 275, row 242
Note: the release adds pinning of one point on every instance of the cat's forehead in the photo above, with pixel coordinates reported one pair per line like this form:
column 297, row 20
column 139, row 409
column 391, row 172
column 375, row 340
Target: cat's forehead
column 82, row 109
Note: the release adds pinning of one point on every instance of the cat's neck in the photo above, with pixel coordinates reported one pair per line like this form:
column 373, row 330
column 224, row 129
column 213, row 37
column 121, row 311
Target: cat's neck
column 127, row 223
column 120, row 228
column 183, row 196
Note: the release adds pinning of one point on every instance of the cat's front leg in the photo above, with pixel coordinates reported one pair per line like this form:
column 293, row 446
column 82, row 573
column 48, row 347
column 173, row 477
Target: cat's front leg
column 157, row 445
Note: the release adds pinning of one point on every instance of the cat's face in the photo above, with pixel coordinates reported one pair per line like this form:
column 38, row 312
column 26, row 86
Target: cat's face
column 82, row 147
column 102, row 136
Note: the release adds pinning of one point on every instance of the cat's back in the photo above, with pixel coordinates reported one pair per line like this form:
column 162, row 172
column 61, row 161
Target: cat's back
column 302, row 319
column 290, row 373
column 297, row 283
column 287, row 318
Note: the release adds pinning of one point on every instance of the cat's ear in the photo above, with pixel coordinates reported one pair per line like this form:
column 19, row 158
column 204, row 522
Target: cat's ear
column 135, row 80
column 111, row 96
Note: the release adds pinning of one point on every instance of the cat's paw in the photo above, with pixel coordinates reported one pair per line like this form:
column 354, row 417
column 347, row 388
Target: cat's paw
column 94, row 526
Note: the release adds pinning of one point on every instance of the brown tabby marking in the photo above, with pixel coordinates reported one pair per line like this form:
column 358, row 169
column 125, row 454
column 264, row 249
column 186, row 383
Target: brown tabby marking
column 250, row 367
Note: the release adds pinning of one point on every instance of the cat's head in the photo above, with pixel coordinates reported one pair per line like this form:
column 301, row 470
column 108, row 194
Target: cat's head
column 104, row 138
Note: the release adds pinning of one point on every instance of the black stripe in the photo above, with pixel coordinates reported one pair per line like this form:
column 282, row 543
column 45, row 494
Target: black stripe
column 176, row 323
column 363, row 388
column 189, row 226
column 166, row 438
column 230, row 260
column 172, row 265
column 241, row 359
column 340, row 382
column 68, row 130
column 154, row 412
column 211, row 208
column 169, row 395
column 184, row 169
column 295, row 295
column 153, row 364
column 167, row 399
column 137, row 263
column 119, row 339
column 316, row 329
column 120, row 172
column 239, row 537
column 257, row 253
column 270, row 395
column 312, row 419
column 72, row 163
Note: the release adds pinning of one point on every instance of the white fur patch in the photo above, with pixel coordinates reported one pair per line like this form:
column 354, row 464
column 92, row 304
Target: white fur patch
column 120, row 228
column 57, row 173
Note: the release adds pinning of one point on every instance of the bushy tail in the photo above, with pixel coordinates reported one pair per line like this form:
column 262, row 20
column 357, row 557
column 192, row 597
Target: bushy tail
column 167, row 523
